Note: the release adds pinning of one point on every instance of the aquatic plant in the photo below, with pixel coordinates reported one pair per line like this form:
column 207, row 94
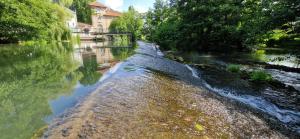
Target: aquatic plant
column 260, row 75
column 233, row 68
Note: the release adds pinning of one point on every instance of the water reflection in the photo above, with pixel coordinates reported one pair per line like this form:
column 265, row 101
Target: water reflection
column 30, row 76
column 39, row 81
column 96, row 58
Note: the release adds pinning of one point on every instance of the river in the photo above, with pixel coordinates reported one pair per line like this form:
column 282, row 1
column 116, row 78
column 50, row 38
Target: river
column 98, row 90
column 40, row 81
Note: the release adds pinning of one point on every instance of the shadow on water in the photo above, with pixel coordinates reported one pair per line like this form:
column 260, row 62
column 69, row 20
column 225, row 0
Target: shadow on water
column 277, row 103
column 39, row 81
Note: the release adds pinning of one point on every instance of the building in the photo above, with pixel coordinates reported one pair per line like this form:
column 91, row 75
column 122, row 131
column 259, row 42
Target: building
column 72, row 21
column 102, row 17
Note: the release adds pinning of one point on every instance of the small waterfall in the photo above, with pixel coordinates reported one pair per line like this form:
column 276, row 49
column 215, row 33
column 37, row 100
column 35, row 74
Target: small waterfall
column 285, row 116
column 194, row 71
column 111, row 71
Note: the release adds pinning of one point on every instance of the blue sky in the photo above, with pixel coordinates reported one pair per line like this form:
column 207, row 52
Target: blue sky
column 122, row 5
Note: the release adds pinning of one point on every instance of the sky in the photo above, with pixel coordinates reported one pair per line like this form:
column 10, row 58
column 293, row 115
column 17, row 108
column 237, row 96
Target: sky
column 122, row 5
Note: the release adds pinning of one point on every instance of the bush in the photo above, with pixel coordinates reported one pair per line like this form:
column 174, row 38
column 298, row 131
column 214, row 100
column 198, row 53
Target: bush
column 234, row 68
column 260, row 75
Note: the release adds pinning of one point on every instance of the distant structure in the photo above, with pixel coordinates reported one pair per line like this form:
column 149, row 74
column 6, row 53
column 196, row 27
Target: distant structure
column 102, row 17
column 72, row 22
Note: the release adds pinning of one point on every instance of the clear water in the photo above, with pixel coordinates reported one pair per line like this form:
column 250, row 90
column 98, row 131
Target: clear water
column 280, row 103
column 39, row 81
column 150, row 96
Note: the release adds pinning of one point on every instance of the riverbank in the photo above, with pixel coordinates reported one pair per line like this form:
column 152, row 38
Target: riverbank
column 153, row 97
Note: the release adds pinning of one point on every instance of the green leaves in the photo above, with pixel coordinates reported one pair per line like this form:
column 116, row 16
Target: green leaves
column 31, row 19
column 83, row 10
column 130, row 21
column 217, row 24
column 260, row 76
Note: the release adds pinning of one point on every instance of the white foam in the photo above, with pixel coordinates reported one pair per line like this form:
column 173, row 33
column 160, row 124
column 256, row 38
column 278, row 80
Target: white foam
column 285, row 116
column 111, row 71
column 115, row 68
column 194, row 72
column 159, row 53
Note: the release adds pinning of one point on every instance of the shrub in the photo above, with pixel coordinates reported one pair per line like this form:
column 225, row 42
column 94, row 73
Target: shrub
column 234, row 68
column 260, row 75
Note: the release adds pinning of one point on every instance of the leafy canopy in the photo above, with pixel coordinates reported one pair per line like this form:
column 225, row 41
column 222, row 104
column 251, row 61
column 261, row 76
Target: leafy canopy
column 31, row 19
column 130, row 21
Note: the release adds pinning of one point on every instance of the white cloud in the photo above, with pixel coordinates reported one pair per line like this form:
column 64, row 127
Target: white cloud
column 115, row 4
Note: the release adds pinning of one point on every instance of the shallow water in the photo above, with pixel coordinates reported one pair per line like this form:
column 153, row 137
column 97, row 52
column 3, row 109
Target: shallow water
column 150, row 96
column 40, row 81
column 94, row 91
column 280, row 104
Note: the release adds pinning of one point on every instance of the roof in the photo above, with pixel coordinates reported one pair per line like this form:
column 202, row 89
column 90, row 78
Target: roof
column 111, row 12
column 97, row 5
column 83, row 25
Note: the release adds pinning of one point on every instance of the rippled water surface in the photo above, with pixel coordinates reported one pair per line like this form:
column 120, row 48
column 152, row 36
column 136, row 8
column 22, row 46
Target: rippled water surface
column 96, row 90
column 150, row 96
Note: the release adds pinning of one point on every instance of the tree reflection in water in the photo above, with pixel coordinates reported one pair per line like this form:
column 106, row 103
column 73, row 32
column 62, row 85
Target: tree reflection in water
column 31, row 75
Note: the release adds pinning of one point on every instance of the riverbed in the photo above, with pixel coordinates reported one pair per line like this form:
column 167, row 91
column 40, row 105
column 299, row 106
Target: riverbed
column 108, row 90
column 149, row 96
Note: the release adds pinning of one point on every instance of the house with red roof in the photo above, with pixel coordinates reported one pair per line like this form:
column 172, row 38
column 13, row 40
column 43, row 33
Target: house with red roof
column 102, row 16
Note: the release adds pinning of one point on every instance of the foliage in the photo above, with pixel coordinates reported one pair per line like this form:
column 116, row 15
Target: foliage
column 219, row 24
column 130, row 21
column 162, row 25
column 209, row 23
column 31, row 19
column 260, row 75
column 83, row 10
column 234, row 68
column 65, row 3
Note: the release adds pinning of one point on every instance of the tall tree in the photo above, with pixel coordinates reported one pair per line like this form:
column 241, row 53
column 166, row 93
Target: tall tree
column 83, row 10
column 219, row 24
column 130, row 21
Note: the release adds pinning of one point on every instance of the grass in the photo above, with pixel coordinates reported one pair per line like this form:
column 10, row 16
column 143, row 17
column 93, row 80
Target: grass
column 233, row 68
column 260, row 76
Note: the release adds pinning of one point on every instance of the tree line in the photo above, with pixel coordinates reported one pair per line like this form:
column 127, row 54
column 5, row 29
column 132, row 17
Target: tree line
column 220, row 24
column 33, row 19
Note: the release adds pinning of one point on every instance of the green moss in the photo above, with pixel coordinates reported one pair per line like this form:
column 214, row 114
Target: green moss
column 260, row 75
column 233, row 68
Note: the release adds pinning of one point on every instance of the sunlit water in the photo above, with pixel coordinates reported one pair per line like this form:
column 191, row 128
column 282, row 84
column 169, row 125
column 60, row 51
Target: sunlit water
column 40, row 81
column 95, row 91
column 150, row 96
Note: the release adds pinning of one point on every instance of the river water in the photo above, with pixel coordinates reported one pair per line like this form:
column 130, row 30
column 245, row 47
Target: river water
column 149, row 96
column 98, row 90
column 40, row 81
